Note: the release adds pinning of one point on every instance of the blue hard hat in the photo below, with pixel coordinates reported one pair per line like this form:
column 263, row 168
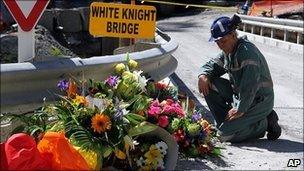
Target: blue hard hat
column 220, row 28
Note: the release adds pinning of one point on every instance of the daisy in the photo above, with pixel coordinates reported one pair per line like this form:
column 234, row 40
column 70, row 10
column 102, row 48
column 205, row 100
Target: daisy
column 162, row 146
column 101, row 123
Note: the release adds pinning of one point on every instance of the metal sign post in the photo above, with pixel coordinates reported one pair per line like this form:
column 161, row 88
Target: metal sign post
column 26, row 14
column 26, row 45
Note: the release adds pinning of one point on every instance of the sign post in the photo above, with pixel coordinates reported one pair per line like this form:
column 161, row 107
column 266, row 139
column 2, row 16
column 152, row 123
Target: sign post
column 26, row 14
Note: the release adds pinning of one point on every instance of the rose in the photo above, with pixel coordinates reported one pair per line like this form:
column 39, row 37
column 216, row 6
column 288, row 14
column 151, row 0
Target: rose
column 163, row 121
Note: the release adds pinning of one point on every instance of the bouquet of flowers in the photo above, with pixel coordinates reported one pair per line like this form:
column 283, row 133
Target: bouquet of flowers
column 195, row 136
column 99, row 124
column 104, row 120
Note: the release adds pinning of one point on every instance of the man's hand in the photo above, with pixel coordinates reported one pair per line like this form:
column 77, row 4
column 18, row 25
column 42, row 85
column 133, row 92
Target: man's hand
column 204, row 84
column 233, row 114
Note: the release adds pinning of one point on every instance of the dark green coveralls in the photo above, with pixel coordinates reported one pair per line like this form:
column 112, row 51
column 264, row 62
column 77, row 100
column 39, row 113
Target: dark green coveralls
column 250, row 90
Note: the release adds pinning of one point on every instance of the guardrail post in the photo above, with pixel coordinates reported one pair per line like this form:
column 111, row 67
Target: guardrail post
column 286, row 35
column 272, row 33
column 252, row 29
column 261, row 31
column 244, row 27
column 299, row 38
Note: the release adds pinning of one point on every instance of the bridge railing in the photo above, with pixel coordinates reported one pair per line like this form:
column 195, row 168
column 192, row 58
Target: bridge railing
column 282, row 29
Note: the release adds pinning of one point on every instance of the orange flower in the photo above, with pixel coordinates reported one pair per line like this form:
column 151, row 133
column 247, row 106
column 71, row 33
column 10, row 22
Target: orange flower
column 72, row 90
column 101, row 123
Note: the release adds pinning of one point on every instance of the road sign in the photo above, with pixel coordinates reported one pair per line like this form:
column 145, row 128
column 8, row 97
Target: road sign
column 21, row 8
column 26, row 14
column 122, row 20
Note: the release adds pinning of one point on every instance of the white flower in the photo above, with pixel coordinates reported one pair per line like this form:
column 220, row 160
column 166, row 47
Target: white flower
column 130, row 142
column 141, row 80
column 140, row 162
column 162, row 146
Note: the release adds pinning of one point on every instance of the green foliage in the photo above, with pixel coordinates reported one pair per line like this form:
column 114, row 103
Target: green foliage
column 32, row 123
column 55, row 51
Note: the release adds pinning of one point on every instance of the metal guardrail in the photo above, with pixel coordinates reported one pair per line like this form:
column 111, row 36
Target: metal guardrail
column 286, row 25
column 25, row 85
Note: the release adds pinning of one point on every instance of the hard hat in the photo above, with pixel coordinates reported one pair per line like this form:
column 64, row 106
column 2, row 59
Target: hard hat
column 220, row 28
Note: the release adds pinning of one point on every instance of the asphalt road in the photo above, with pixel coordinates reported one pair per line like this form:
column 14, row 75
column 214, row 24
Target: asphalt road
column 191, row 31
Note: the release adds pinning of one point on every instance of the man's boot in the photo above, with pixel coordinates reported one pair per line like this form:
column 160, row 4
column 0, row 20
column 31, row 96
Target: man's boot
column 274, row 130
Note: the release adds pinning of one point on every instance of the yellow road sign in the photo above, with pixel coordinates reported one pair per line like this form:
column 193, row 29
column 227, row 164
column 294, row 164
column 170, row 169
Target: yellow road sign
column 122, row 20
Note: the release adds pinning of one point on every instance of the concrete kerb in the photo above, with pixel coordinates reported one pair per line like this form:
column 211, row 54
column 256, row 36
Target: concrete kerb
column 292, row 47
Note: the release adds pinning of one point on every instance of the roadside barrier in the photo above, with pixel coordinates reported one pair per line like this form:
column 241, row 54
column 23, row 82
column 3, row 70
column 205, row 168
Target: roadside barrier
column 25, row 86
column 282, row 29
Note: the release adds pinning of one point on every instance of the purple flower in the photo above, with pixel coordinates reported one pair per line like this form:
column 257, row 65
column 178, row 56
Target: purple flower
column 196, row 116
column 112, row 81
column 63, row 85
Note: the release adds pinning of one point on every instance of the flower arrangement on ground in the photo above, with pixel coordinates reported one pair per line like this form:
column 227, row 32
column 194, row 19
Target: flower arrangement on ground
column 195, row 136
column 102, row 124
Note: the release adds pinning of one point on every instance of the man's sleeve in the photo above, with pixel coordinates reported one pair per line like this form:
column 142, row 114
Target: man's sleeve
column 250, row 72
column 214, row 68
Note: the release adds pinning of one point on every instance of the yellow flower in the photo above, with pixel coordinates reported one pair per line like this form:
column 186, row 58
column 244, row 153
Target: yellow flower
column 119, row 68
column 120, row 154
column 132, row 63
column 126, row 74
column 204, row 123
column 101, row 123
column 153, row 156
column 80, row 100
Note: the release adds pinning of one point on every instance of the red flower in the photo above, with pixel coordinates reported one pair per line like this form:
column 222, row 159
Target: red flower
column 163, row 121
column 179, row 135
column 160, row 86
column 204, row 149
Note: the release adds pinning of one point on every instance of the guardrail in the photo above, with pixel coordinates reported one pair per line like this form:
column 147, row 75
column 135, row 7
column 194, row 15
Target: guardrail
column 274, row 28
column 25, row 85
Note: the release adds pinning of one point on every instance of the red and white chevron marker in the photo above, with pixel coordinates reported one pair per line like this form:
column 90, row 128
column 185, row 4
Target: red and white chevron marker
column 26, row 14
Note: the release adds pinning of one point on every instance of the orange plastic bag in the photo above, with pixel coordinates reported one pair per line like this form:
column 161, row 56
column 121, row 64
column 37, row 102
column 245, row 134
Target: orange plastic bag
column 64, row 156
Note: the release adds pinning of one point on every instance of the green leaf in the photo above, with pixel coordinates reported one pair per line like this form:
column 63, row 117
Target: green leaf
column 216, row 151
column 107, row 152
column 143, row 128
column 136, row 117
column 35, row 129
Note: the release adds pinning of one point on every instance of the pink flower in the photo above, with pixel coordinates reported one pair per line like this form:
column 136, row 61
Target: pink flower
column 178, row 110
column 180, row 113
column 169, row 101
column 168, row 109
column 155, row 103
column 163, row 121
column 154, row 111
